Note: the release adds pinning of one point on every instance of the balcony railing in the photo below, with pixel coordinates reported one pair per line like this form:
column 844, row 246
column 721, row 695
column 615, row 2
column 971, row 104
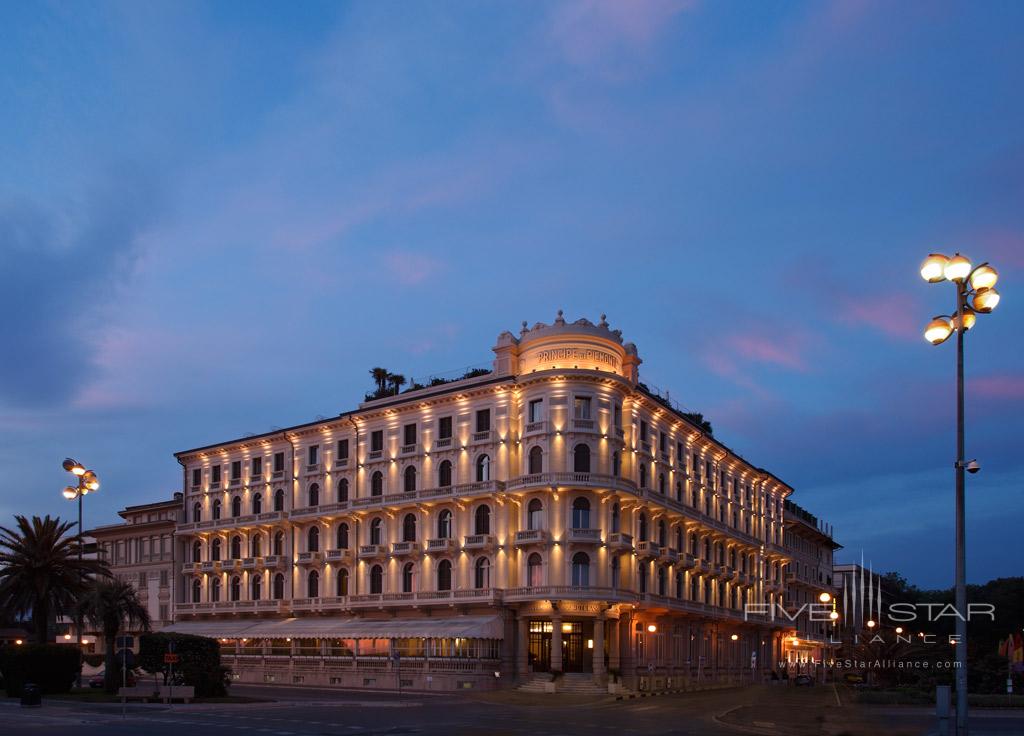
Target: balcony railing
column 670, row 555
column 440, row 545
column 586, row 425
column 479, row 541
column 686, row 561
column 310, row 558
column 620, row 540
column 443, row 443
column 483, row 436
column 369, row 551
column 404, row 548
column 585, row 536
column 273, row 561
column 337, row 555
column 579, row 480
column 531, row 536
column 536, row 427
column 564, row 592
column 251, row 563
column 648, row 549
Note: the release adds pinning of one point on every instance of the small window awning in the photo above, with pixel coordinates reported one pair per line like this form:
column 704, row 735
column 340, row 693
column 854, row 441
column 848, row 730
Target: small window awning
column 463, row 627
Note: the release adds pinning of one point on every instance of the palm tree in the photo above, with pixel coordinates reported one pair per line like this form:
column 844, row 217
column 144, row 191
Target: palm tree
column 380, row 375
column 41, row 574
column 397, row 380
column 106, row 605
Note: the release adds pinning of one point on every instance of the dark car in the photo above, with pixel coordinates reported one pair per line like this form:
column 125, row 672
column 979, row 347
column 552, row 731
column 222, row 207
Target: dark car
column 803, row 680
column 97, row 680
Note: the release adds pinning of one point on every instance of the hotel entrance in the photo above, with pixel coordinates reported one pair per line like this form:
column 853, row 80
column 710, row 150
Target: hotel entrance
column 577, row 646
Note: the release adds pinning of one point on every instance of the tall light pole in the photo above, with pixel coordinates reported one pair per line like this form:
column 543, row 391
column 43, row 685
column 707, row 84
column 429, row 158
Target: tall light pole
column 87, row 483
column 974, row 295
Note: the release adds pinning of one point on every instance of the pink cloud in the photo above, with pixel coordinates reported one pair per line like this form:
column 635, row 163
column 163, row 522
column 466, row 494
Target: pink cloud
column 785, row 351
column 1005, row 387
column 895, row 315
column 411, row 268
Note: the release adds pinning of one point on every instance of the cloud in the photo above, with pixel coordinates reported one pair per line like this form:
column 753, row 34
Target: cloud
column 1003, row 387
column 410, row 268
column 784, row 350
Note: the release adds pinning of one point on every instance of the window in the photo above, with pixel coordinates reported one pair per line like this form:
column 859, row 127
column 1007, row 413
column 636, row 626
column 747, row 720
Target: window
column 216, row 509
column 314, row 494
column 616, row 517
column 679, row 538
column 482, row 522
column 257, row 467
column 256, row 588
column 483, row 420
column 313, row 540
column 215, row 550
column 407, row 575
column 343, row 536
column 256, row 545
column 279, row 499
column 278, row 462
column 235, row 592
column 444, row 524
column 616, row 464
column 197, row 590
column 618, row 416
column 279, row 586
column 444, row 428
column 535, row 410
column 643, row 431
column 661, row 483
column 679, row 585
column 581, row 459
column 409, row 480
column 257, row 503
column 342, row 450
column 215, row 590
column 483, row 469
column 197, row 551
column 236, row 469
column 662, row 581
column 376, row 580
column 409, row 434
column 444, row 474
column 215, row 474
column 377, row 484
column 343, row 581
column 695, row 462
column 313, row 455
column 616, row 572
column 643, row 475
column 581, row 407
column 581, row 570
column 534, row 570
column 482, row 573
column 409, row 528
column 343, row 490
column 662, row 533
column 642, row 577
column 536, row 460
column 279, row 543
column 642, row 528
column 197, row 476
column 236, row 547
column 236, row 506
column 197, row 511
column 377, row 531
column 535, row 514
column 313, row 584
column 662, row 442
column 581, row 513
column 377, row 440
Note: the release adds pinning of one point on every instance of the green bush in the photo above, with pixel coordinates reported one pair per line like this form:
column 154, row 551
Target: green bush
column 198, row 661
column 94, row 660
column 53, row 667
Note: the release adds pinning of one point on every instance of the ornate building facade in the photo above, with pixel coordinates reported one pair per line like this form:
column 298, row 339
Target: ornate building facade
column 550, row 515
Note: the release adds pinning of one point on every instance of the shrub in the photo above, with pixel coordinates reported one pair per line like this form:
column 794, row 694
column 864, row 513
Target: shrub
column 198, row 661
column 94, row 660
column 53, row 667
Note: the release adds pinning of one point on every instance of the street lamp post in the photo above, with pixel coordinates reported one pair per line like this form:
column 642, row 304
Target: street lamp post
column 975, row 294
column 87, row 483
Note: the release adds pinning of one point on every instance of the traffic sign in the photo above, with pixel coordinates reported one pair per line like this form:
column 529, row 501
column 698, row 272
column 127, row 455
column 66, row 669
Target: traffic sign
column 170, row 659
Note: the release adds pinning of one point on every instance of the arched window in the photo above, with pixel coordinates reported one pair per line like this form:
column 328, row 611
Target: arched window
column 279, row 586
column 679, row 538
column 257, row 503
column 279, row 543
column 616, row 464
column 215, row 590
column 581, row 513
column 215, row 550
column 581, row 459
column 256, row 587
column 407, row 575
column 236, row 547
column 343, row 490
column 661, row 483
column 482, row 573
column 482, row 522
column 376, row 580
column 197, row 590
column 643, row 475
column 409, row 528
column 444, row 575
column 444, row 474
column 313, row 539
column 235, row 592
column 536, row 463
column 197, row 551
column 279, row 499
column 343, row 581
column 534, row 570
column 313, row 584
column 256, row 545
column 581, row 569
column 483, row 468
column 616, row 517
column 409, row 482
column 642, row 577
column 642, row 528
column 314, row 494
column 616, row 572
column 679, row 490
column 679, row 585
column 662, row 533
column 236, row 506
column 377, row 484
column 197, row 512
column 535, row 514
column 343, row 536
column 377, row 532
column 444, row 524
column 662, row 582
column 216, row 509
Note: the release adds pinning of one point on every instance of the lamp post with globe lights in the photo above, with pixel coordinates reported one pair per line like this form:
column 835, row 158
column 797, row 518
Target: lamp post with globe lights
column 88, row 482
column 975, row 294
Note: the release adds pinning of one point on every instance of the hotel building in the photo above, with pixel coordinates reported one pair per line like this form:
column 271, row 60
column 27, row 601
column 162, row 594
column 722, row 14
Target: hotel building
column 552, row 515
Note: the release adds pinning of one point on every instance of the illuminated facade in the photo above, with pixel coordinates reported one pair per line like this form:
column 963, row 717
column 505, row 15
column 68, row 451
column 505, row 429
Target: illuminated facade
column 551, row 515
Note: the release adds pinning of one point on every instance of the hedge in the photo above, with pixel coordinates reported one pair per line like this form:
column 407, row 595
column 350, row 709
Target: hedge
column 198, row 661
column 53, row 667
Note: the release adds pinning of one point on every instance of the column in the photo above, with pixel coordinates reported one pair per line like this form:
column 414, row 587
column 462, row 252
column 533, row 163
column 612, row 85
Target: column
column 613, row 645
column 522, row 638
column 556, row 642
column 599, row 648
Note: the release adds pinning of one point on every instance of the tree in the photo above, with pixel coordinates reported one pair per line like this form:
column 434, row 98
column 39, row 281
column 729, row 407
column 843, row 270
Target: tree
column 397, row 380
column 380, row 376
column 106, row 605
column 40, row 573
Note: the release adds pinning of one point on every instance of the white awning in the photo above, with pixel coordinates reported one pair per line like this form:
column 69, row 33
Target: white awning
column 330, row 627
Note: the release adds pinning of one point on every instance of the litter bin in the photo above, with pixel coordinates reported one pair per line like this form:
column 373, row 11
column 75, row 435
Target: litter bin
column 31, row 696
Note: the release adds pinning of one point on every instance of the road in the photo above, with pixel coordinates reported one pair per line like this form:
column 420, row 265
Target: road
column 782, row 710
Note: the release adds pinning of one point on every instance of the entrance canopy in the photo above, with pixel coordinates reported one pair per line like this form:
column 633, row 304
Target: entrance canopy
column 463, row 627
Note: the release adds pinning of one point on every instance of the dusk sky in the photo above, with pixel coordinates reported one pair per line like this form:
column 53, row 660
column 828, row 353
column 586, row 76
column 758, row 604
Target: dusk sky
column 216, row 218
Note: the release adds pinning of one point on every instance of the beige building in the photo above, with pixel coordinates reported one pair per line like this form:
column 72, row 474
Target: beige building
column 551, row 515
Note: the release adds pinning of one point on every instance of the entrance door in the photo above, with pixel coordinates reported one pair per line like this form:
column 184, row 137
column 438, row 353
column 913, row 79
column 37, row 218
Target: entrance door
column 539, row 650
column 577, row 643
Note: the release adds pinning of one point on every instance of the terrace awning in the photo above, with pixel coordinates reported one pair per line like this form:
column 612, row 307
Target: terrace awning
column 326, row 627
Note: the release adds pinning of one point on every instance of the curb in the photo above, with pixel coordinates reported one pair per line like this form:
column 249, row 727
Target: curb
column 633, row 696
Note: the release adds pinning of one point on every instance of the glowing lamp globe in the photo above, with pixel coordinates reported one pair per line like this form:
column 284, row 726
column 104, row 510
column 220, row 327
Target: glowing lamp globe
column 933, row 268
column 834, row 615
column 985, row 300
column 984, row 277
column 70, row 493
column 825, row 597
column 734, row 637
column 938, row 330
column 652, row 628
column 957, row 269
column 970, row 317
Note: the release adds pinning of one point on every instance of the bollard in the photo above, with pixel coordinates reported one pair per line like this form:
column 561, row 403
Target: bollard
column 31, row 696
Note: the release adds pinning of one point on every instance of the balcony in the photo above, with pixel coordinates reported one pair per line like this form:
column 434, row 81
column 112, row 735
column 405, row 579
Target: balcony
column 371, row 551
column 686, row 561
column 669, row 555
column 338, row 555
column 277, row 474
column 648, row 549
column 526, row 537
column 576, row 480
column 375, row 454
column 409, row 449
column 209, row 566
column 255, row 479
column 314, row 469
column 443, row 443
column 583, row 425
column 584, row 536
column 484, row 436
column 310, row 558
column 535, row 428
column 304, row 512
column 192, row 567
column 251, row 563
column 272, row 561
column 620, row 541
column 479, row 541
column 701, row 567
column 270, row 516
column 341, row 462
column 235, row 482
column 440, row 546
column 404, row 549
column 566, row 592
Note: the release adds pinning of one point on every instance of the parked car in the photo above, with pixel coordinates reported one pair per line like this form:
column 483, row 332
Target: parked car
column 853, row 678
column 96, row 680
column 803, row 680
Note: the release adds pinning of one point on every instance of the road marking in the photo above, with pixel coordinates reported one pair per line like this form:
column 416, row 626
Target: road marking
column 838, row 701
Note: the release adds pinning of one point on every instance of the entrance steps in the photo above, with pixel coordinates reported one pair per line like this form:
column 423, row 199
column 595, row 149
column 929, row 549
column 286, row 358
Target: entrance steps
column 571, row 682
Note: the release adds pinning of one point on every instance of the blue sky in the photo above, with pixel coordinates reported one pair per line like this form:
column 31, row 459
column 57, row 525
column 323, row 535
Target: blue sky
column 215, row 218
